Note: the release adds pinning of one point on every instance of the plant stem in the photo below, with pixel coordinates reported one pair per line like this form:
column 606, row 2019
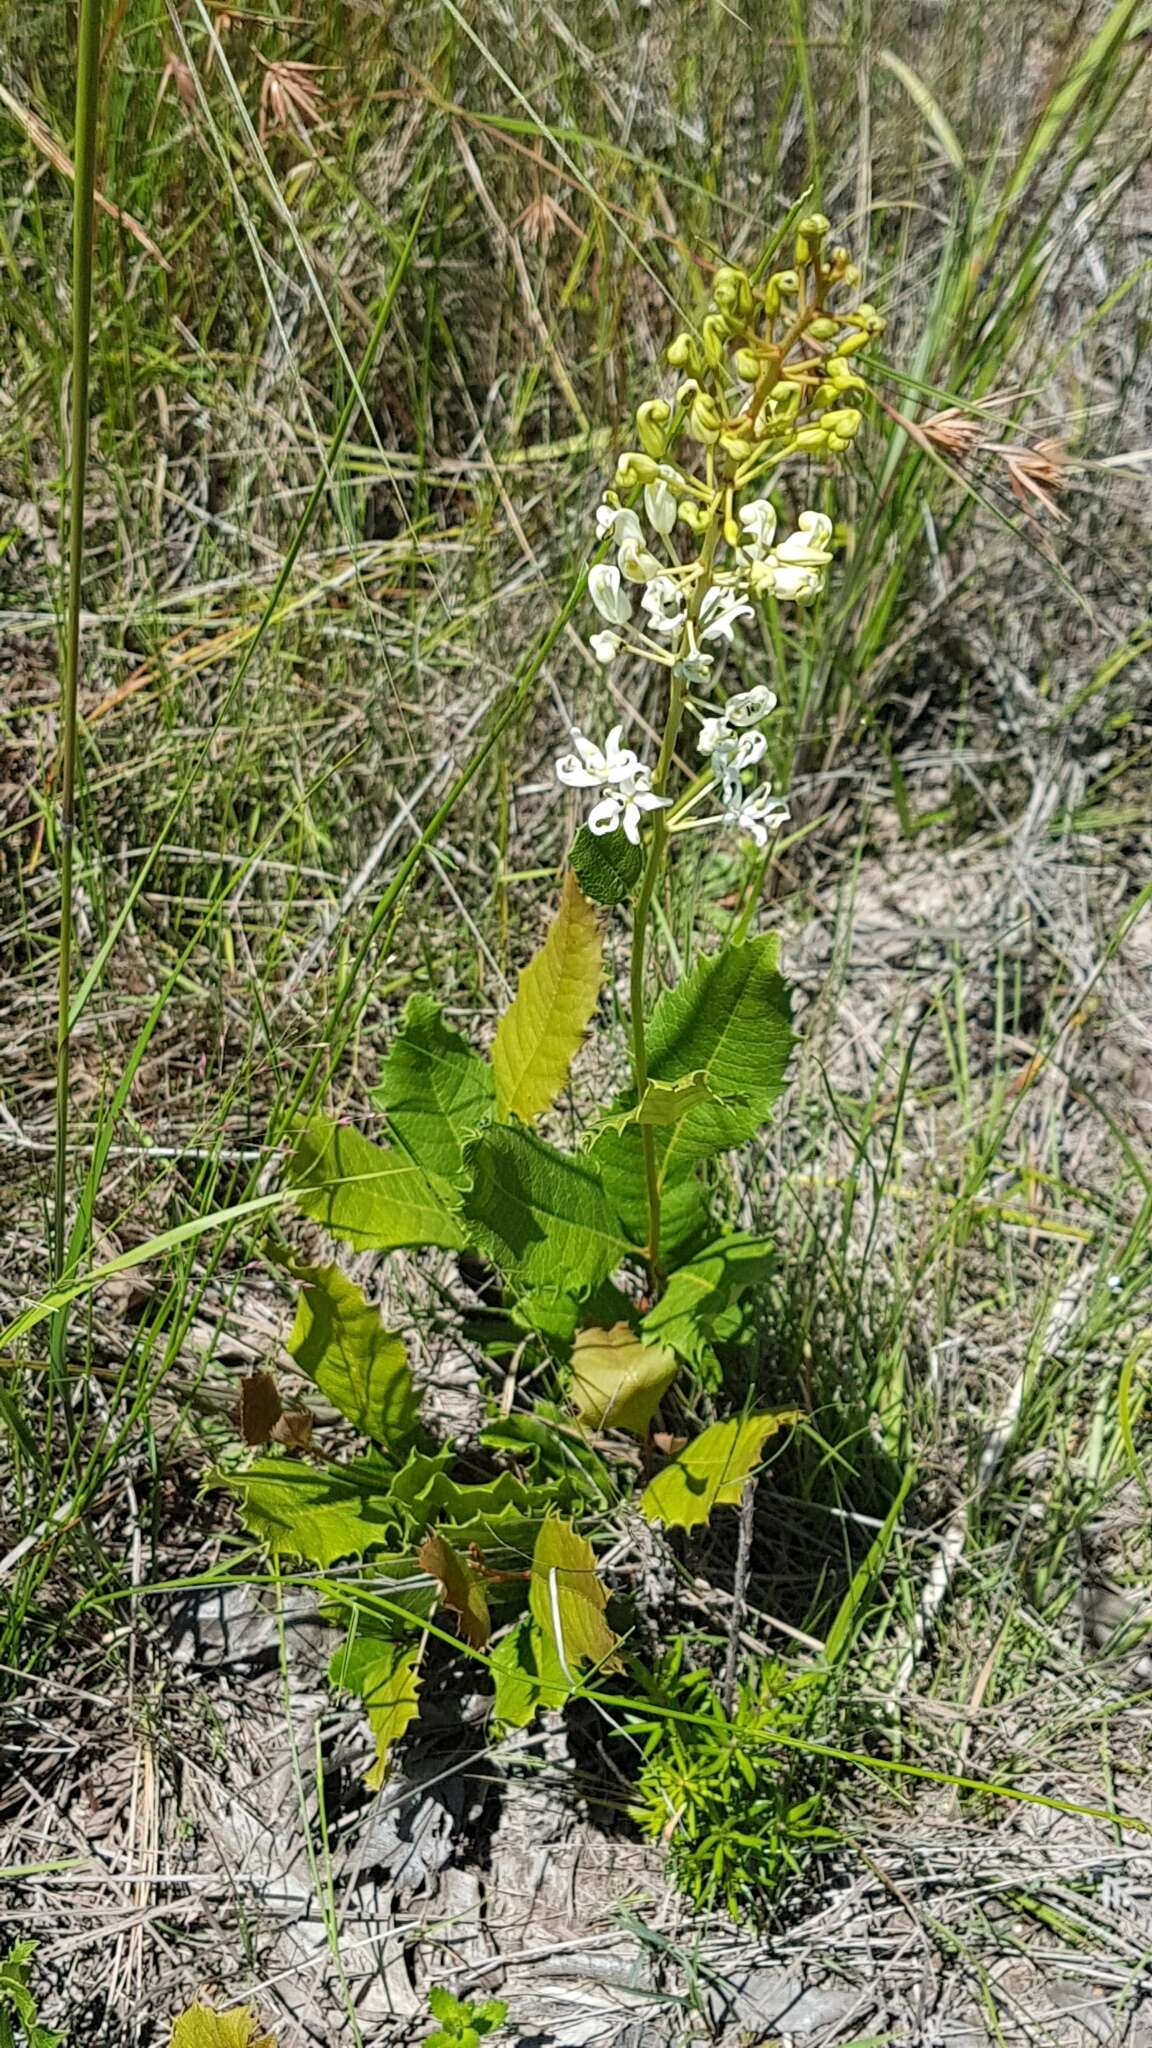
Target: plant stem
column 84, row 183
column 644, row 895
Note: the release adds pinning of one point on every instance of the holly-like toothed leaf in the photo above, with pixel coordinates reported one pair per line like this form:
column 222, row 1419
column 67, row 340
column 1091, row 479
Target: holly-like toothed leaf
column 385, row 1676
column 202, row 2027
column 607, row 865
column 497, row 1515
column 462, row 1591
column 686, row 1218
column 617, row 1381
column 339, row 1340
column 539, row 1215
column 543, row 1028
column 435, row 1090
column 567, row 1603
column 665, row 1102
column 690, row 1314
column 318, row 1512
column 370, row 1196
column 710, row 1471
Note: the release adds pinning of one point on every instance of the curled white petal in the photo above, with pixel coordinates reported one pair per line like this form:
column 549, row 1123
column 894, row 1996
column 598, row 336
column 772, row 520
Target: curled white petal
column 750, row 706
column 605, row 646
column 609, row 597
column 605, row 816
column 720, row 611
column 758, row 518
column 664, row 603
column 660, row 505
column 637, row 563
column 751, row 747
column 713, row 734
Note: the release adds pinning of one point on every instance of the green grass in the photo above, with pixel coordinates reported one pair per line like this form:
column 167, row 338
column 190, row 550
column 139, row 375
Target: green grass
column 343, row 456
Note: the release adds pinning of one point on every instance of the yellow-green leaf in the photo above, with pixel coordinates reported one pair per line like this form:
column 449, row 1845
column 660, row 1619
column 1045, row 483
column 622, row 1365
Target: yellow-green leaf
column 370, row 1195
column 665, row 1102
column 201, row 2027
column 567, row 1604
column 711, row 1470
column 461, row 1590
column 617, row 1381
column 385, row 1676
column 339, row 1340
column 543, row 1028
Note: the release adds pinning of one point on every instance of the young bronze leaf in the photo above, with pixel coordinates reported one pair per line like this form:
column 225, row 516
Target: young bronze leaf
column 260, row 1408
column 711, row 1470
column 618, row 1381
column 567, row 1604
column 543, row 1028
column 339, row 1340
column 461, row 1590
column 385, row 1676
column 201, row 2027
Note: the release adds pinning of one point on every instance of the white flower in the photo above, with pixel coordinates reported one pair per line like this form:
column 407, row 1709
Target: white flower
column 590, row 767
column 660, row 505
column 605, row 646
column 664, row 604
column 731, row 753
column 693, row 670
column 719, row 612
column 750, row 706
column 619, row 522
column 636, row 562
column 759, row 521
column 625, row 807
column 790, row 581
column 808, row 546
column 612, row 602
column 713, row 734
column 761, row 814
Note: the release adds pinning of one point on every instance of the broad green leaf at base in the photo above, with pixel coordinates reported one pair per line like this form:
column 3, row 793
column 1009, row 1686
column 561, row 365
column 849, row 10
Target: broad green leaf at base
column 369, row 1195
column 617, row 1381
column 539, row 1215
column 339, row 1340
column 385, row 1676
column 435, row 1091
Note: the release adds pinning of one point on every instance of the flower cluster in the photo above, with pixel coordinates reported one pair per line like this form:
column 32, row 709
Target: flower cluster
column 771, row 374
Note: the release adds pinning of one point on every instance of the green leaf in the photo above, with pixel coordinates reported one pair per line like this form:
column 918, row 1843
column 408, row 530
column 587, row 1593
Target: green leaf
column 699, row 1294
column 515, row 1668
column 686, row 1218
column 665, row 1102
column 339, row 1340
column 567, row 1603
column 618, row 1382
column 607, row 866
column 538, row 1214
column 201, row 2027
column 370, row 1195
column 556, row 1315
column 543, row 1028
column 461, row 1590
column 711, row 1470
column 730, row 1020
column 321, row 1513
column 385, row 1676
column 435, row 1090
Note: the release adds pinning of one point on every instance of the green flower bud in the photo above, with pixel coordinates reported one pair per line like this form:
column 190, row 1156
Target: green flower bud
column 851, row 345
column 735, row 445
column 653, row 419
column 824, row 395
column 812, row 438
column 824, row 329
column 705, row 418
column 732, row 293
column 694, row 516
column 746, row 364
column 814, row 225
column 839, row 258
column 684, row 353
column 847, row 421
column 852, row 274
column 715, row 331
column 787, row 281
column 634, row 469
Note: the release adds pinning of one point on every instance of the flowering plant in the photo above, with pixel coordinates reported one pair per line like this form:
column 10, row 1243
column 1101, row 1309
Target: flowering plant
column 609, row 1274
